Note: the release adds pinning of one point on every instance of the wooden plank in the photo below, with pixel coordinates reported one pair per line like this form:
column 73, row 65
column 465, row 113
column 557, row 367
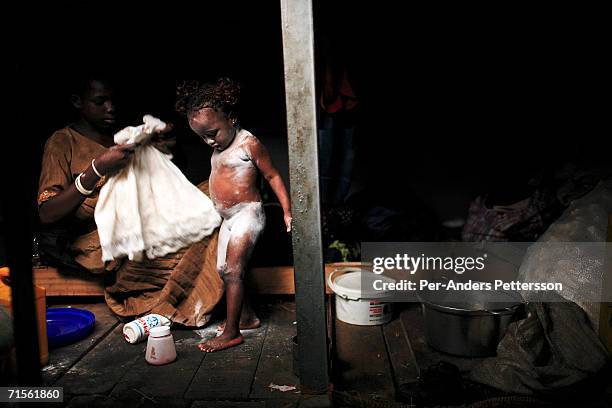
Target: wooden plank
column 99, row 370
column 68, row 284
column 363, row 365
column 305, row 401
column 153, row 381
column 314, row 401
column 425, row 356
column 62, row 358
column 276, row 362
column 228, row 374
column 134, row 400
column 228, row 404
column 269, row 280
column 281, row 403
column 400, row 353
column 279, row 280
column 264, row 280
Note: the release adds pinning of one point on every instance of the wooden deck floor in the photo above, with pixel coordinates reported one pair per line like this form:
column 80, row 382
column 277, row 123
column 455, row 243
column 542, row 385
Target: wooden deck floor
column 369, row 365
column 103, row 370
column 372, row 361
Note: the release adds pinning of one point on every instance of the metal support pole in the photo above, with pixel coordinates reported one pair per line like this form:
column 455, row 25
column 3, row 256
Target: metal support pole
column 298, row 51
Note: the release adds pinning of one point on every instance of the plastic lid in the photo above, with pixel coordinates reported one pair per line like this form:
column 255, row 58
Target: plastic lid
column 472, row 300
column 129, row 334
column 349, row 285
column 160, row 331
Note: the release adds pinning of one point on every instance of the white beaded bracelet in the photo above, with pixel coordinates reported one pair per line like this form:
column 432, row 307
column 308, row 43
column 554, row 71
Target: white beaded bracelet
column 93, row 166
column 80, row 187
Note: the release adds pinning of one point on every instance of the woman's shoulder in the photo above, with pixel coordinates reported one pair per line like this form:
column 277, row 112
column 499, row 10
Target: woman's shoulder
column 63, row 137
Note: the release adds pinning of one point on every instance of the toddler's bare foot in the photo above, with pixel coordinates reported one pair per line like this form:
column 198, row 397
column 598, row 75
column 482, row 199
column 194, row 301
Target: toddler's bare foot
column 220, row 343
column 246, row 324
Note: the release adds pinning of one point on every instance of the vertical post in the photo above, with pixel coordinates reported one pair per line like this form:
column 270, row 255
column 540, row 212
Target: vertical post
column 298, row 51
column 18, row 239
column 605, row 308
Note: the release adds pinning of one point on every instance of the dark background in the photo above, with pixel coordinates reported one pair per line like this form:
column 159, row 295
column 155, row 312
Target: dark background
column 454, row 101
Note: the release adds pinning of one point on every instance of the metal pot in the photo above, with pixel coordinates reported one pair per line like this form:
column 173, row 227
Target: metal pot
column 468, row 323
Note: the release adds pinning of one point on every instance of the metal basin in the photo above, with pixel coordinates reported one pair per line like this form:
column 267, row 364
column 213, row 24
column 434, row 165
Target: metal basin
column 468, row 323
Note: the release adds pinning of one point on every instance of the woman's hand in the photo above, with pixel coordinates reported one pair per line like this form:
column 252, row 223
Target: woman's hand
column 163, row 143
column 115, row 158
column 288, row 220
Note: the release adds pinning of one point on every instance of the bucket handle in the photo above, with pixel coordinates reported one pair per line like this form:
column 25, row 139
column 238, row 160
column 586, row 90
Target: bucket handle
column 330, row 281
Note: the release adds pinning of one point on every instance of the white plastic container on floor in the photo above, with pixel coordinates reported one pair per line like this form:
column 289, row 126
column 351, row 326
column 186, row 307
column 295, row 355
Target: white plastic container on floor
column 160, row 346
column 138, row 330
column 354, row 305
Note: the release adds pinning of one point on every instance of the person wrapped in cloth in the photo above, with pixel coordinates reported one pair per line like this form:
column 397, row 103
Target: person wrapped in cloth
column 182, row 286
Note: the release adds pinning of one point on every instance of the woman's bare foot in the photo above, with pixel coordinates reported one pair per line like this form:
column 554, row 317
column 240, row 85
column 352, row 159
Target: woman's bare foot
column 246, row 324
column 220, row 343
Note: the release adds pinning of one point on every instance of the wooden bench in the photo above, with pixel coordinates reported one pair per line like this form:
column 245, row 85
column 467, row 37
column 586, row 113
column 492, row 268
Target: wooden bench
column 271, row 280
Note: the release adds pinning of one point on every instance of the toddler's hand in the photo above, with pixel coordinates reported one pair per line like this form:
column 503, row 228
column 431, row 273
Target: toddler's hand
column 288, row 219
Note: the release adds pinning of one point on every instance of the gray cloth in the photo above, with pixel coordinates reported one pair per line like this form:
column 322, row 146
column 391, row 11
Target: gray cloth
column 555, row 351
column 556, row 257
column 552, row 352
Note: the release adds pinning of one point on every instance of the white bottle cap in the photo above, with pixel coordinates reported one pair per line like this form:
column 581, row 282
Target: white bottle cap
column 160, row 331
column 130, row 334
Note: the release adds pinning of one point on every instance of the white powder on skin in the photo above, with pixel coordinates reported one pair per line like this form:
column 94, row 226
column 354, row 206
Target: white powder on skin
column 238, row 160
column 243, row 222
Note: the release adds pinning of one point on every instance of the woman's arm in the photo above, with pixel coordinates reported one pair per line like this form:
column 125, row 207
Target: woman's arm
column 62, row 204
column 261, row 158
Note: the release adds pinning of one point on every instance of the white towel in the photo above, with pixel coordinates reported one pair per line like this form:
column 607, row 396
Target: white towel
column 150, row 206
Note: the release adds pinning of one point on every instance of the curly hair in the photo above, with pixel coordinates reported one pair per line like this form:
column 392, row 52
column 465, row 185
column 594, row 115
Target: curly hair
column 192, row 96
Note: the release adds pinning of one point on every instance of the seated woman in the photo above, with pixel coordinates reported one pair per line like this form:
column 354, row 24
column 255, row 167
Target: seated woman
column 183, row 286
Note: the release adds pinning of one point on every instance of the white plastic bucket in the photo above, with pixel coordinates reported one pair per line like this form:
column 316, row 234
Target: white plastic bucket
column 356, row 306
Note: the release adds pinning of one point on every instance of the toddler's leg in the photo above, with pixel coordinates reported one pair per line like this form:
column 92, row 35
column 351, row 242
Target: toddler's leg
column 248, row 319
column 224, row 236
column 245, row 231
